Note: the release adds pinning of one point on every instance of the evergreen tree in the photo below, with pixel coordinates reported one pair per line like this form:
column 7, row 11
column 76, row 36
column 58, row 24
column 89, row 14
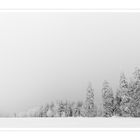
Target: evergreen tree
column 124, row 96
column 108, row 100
column 137, row 74
column 134, row 92
column 117, row 103
column 89, row 103
column 44, row 110
column 77, row 110
column 68, row 107
column 123, row 82
column 51, row 110
column 60, row 109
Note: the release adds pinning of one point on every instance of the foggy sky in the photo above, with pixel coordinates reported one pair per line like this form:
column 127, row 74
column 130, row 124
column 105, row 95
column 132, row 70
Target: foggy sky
column 48, row 56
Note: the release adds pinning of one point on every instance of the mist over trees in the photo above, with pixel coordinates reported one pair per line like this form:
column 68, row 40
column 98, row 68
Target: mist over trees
column 124, row 102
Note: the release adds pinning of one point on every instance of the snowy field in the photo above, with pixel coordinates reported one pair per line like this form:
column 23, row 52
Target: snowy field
column 113, row 122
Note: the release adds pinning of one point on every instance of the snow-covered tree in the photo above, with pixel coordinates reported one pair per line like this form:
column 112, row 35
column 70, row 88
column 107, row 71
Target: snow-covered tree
column 60, row 109
column 108, row 100
column 68, row 109
column 51, row 111
column 77, row 109
column 89, row 103
column 124, row 97
column 117, row 104
column 134, row 92
column 123, row 82
column 137, row 74
column 130, row 95
column 121, row 97
column 43, row 110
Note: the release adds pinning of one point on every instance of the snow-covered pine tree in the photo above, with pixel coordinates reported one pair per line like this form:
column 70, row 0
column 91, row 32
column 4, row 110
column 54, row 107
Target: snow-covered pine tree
column 60, row 108
column 117, row 103
column 77, row 110
column 44, row 110
column 68, row 107
column 89, row 103
column 123, row 82
column 137, row 74
column 124, row 96
column 134, row 92
column 51, row 111
column 108, row 100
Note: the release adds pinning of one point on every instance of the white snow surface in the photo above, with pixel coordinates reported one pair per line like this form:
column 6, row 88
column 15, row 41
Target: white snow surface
column 79, row 122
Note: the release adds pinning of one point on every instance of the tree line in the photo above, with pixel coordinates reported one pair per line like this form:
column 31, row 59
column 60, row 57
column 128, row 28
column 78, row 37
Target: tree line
column 124, row 102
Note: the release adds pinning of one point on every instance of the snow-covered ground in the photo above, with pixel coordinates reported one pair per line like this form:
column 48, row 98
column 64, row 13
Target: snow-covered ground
column 114, row 122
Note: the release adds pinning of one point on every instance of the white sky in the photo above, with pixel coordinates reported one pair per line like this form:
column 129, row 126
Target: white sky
column 50, row 56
